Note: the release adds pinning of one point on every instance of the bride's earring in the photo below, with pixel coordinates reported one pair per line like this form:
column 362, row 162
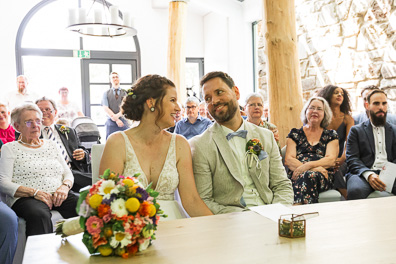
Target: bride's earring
column 152, row 109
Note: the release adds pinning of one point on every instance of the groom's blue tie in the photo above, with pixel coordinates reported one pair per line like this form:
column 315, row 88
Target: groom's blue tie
column 239, row 133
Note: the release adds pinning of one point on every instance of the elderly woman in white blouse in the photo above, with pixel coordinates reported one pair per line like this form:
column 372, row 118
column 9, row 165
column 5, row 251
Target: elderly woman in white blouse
column 34, row 177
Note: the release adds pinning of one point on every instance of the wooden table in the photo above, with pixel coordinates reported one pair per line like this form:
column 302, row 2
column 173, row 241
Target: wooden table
column 362, row 231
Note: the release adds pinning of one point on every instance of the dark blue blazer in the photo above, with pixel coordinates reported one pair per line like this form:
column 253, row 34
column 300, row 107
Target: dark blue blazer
column 360, row 152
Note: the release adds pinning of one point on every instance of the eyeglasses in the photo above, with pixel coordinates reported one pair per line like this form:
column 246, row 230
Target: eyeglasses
column 47, row 110
column 29, row 123
column 255, row 105
column 191, row 107
column 313, row 108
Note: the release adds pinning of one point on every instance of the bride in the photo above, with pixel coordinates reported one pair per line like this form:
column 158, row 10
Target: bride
column 161, row 158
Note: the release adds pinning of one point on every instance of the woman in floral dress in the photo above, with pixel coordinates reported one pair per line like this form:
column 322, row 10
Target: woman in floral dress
column 311, row 152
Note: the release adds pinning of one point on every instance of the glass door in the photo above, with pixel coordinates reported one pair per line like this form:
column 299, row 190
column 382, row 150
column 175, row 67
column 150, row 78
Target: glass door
column 96, row 81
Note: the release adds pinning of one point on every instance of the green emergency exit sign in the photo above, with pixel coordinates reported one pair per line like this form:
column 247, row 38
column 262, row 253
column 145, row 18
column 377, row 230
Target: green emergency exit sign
column 82, row 54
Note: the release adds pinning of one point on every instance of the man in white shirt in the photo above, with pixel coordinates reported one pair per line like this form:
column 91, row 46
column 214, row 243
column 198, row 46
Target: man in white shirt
column 23, row 95
column 370, row 145
column 68, row 142
column 227, row 178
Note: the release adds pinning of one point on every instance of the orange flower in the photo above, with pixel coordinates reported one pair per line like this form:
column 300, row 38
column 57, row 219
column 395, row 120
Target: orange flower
column 145, row 209
column 125, row 255
column 103, row 210
column 133, row 249
column 97, row 240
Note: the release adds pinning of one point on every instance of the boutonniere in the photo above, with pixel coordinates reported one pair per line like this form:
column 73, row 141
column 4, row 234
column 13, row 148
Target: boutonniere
column 65, row 130
column 255, row 151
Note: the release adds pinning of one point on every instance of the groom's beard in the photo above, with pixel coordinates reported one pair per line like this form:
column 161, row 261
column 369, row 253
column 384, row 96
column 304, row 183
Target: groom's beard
column 228, row 115
column 378, row 121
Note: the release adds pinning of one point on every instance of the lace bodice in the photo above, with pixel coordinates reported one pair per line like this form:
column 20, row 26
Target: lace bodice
column 169, row 177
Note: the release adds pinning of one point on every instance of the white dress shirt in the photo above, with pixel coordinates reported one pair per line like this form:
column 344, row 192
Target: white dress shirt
column 238, row 146
column 380, row 150
column 57, row 137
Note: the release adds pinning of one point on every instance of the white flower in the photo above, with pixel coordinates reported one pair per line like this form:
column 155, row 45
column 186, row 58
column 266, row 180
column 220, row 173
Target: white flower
column 106, row 188
column 85, row 209
column 118, row 207
column 122, row 238
column 144, row 245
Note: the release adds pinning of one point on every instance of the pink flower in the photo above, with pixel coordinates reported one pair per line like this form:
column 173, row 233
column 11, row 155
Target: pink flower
column 107, row 218
column 94, row 225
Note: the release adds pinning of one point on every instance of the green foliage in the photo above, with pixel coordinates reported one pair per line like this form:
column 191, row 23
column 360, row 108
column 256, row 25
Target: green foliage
column 81, row 199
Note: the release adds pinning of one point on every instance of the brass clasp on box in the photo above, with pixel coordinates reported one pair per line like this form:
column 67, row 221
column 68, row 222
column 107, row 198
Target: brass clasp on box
column 294, row 225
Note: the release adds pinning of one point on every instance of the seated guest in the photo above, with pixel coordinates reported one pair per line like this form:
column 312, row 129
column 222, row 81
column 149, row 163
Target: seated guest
column 8, row 234
column 266, row 112
column 67, row 140
column 193, row 124
column 67, row 109
column 342, row 121
column 311, row 152
column 178, row 117
column 370, row 145
column 7, row 132
column 225, row 178
column 364, row 116
column 254, row 109
column 33, row 174
column 204, row 112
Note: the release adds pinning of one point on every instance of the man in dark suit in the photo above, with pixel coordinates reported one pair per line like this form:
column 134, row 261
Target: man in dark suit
column 66, row 137
column 370, row 145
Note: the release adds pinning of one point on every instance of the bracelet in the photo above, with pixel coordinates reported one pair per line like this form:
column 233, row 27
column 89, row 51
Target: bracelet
column 68, row 185
column 35, row 193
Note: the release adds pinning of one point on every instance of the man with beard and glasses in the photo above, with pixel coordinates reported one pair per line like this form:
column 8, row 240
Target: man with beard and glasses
column 227, row 178
column 370, row 145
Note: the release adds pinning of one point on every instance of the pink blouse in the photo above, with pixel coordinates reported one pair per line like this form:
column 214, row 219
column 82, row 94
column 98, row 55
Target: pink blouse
column 8, row 134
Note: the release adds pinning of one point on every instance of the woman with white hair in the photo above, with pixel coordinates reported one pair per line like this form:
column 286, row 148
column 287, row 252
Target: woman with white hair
column 254, row 108
column 34, row 175
column 311, row 152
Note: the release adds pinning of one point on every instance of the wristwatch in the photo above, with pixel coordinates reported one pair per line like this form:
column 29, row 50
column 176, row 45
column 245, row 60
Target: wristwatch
column 68, row 185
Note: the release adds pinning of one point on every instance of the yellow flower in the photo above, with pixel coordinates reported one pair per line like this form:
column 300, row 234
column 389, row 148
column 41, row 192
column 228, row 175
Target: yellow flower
column 108, row 232
column 153, row 210
column 95, row 200
column 132, row 205
column 105, row 250
column 128, row 182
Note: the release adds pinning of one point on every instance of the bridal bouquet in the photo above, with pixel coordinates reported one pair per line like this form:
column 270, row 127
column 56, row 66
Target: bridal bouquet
column 117, row 215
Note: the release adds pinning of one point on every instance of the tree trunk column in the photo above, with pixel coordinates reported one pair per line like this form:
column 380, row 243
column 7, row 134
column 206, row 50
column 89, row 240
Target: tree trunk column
column 283, row 66
column 176, row 46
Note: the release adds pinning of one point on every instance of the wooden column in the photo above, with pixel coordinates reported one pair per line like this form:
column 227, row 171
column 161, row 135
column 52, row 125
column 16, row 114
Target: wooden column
column 283, row 66
column 176, row 47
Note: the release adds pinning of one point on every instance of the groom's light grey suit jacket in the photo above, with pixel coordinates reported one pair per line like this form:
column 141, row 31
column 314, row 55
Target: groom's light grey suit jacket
column 217, row 174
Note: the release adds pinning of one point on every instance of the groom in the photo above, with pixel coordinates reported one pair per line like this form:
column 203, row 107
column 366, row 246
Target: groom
column 227, row 180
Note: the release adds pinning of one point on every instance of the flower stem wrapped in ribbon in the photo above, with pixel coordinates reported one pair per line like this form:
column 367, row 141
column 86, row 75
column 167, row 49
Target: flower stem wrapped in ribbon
column 255, row 151
column 117, row 215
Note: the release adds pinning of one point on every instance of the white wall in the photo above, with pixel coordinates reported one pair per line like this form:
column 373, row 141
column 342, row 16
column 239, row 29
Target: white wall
column 217, row 30
column 11, row 22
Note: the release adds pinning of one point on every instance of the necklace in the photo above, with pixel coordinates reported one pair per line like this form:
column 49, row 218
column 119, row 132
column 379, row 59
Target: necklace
column 30, row 145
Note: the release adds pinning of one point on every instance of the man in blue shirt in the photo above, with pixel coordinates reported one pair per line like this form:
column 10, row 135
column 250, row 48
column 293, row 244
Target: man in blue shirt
column 193, row 124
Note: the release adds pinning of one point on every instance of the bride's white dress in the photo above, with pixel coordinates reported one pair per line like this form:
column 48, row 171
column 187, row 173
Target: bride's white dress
column 168, row 180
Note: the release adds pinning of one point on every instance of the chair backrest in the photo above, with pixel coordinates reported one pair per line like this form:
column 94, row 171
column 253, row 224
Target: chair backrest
column 96, row 156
